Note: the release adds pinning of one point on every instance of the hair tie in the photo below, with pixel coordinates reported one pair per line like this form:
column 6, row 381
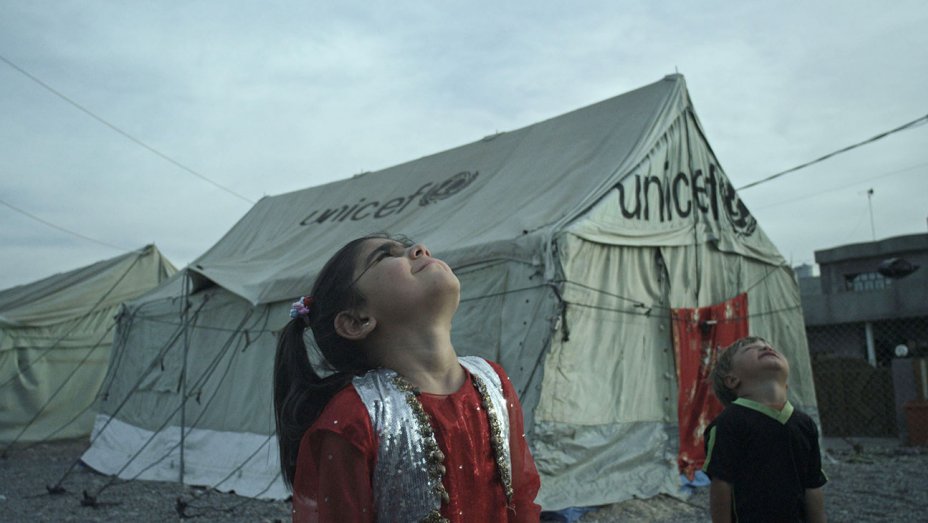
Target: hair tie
column 300, row 309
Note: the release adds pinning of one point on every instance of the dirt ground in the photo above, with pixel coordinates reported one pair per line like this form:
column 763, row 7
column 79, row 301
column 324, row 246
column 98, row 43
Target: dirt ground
column 868, row 481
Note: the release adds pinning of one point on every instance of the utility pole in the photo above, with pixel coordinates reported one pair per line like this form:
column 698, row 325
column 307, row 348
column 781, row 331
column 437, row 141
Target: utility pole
column 870, row 204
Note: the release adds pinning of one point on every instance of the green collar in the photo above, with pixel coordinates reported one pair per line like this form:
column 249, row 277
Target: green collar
column 780, row 415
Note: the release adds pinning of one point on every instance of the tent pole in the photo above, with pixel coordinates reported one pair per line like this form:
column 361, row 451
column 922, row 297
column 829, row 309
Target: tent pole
column 183, row 374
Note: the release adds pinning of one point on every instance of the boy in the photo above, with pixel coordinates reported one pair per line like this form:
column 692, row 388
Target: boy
column 761, row 453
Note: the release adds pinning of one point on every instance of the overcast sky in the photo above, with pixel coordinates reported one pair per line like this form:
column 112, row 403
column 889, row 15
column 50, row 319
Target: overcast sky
column 269, row 97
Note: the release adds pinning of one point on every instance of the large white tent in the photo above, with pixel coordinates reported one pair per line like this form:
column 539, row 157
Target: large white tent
column 574, row 239
column 55, row 339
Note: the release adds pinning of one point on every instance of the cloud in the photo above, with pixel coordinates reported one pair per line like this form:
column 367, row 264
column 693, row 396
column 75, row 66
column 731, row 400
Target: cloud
column 278, row 96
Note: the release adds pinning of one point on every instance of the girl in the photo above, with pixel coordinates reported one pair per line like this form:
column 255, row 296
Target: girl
column 403, row 429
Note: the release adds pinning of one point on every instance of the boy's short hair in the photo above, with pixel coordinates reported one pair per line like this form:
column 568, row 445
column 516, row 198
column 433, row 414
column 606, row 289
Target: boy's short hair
column 723, row 366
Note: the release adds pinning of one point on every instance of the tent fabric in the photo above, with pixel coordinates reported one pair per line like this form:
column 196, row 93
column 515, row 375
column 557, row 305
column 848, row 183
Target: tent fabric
column 195, row 388
column 529, row 179
column 79, row 292
column 573, row 239
column 210, row 451
column 698, row 336
column 55, row 339
column 677, row 195
column 672, row 233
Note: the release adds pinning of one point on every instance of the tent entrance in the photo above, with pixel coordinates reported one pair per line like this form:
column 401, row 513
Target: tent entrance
column 698, row 336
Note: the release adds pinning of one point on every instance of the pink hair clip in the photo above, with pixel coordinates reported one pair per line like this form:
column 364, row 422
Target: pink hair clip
column 300, row 309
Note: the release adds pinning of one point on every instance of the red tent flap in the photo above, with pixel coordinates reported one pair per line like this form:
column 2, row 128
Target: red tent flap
column 698, row 335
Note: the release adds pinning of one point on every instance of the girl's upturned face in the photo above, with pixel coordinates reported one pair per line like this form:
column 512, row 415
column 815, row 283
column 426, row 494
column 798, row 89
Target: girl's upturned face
column 398, row 279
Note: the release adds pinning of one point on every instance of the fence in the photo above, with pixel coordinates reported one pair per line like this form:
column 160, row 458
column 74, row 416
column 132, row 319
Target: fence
column 871, row 378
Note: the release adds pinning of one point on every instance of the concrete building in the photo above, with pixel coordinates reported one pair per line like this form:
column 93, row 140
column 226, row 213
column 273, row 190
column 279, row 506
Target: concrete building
column 881, row 286
column 866, row 318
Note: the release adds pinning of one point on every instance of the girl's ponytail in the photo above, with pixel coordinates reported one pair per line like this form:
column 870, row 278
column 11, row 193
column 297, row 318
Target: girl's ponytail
column 295, row 382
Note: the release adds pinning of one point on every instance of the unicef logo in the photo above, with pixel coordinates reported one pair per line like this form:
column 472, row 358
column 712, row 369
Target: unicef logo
column 448, row 188
column 367, row 208
column 740, row 218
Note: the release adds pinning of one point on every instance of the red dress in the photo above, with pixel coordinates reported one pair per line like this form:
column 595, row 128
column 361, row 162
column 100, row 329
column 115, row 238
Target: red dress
column 338, row 453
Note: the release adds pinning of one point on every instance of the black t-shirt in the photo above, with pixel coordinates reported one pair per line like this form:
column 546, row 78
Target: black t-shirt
column 769, row 457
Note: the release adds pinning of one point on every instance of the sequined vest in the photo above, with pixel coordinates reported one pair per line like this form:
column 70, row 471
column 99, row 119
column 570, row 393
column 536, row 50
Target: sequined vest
column 402, row 488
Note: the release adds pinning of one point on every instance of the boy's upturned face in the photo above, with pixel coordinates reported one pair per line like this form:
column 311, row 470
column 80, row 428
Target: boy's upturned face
column 758, row 360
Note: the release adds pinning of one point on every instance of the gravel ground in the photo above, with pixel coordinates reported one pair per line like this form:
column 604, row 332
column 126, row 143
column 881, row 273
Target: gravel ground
column 876, row 481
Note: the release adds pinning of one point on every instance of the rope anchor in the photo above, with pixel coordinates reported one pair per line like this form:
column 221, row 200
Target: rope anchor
column 88, row 500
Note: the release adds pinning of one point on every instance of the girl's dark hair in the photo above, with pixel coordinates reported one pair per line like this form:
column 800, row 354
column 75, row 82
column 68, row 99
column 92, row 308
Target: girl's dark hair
column 300, row 393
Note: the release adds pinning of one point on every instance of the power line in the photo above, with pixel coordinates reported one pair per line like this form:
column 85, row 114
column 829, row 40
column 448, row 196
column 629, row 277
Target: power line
column 125, row 134
column 62, row 229
column 843, row 187
column 880, row 136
